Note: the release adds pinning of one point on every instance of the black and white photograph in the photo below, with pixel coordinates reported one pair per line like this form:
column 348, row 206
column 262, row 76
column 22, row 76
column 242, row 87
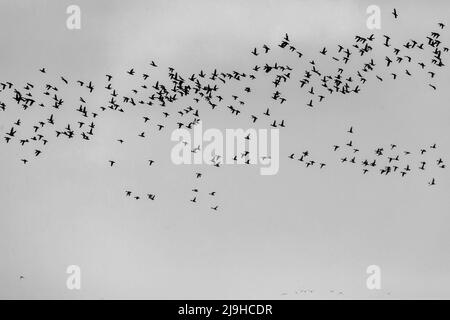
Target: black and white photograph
column 220, row 150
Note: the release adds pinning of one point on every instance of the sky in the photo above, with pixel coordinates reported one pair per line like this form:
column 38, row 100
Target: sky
column 273, row 236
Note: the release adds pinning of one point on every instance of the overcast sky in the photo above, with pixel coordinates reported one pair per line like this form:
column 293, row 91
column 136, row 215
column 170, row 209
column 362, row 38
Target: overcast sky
column 272, row 235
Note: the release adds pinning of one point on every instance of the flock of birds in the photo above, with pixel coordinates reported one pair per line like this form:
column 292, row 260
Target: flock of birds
column 388, row 160
column 312, row 291
column 159, row 101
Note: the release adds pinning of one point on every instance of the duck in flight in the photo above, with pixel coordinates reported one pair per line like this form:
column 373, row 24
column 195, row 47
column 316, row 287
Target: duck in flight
column 394, row 13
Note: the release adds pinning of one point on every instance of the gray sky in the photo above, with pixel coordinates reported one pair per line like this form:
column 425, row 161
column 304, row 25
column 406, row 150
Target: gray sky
column 299, row 229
